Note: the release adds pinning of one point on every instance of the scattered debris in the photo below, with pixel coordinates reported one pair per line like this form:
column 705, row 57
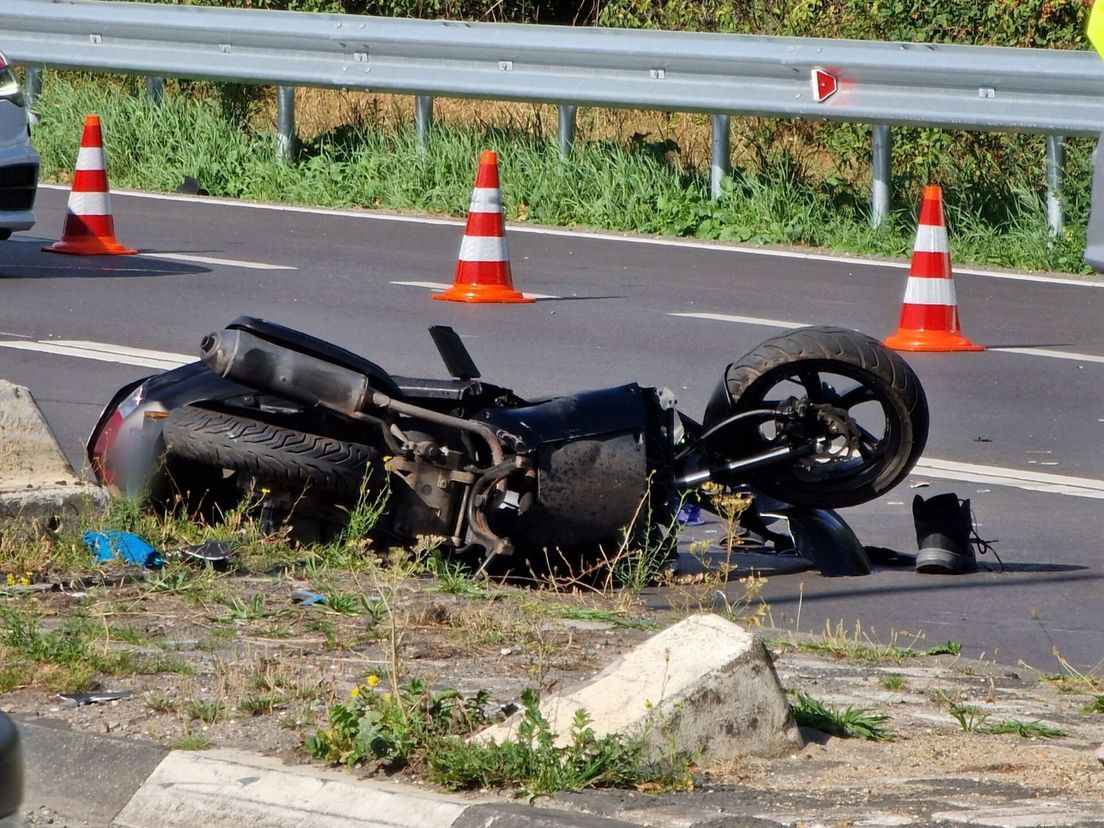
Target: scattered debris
column 107, row 546
column 307, row 598
column 215, row 553
column 690, row 515
column 81, row 699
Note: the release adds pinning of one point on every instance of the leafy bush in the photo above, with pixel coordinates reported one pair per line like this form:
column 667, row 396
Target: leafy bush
column 394, row 728
column 429, row 730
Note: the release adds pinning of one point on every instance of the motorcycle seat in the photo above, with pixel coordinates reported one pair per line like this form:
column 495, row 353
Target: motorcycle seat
column 312, row 346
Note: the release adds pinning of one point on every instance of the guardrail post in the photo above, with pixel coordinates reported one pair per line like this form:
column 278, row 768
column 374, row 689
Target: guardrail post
column 566, row 133
column 881, row 173
column 423, row 119
column 285, row 123
column 32, row 86
column 155, row 89
column 1056, row 159
column 720, row 163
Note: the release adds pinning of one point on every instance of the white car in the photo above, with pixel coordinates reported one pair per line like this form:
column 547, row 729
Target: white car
column 18, row 161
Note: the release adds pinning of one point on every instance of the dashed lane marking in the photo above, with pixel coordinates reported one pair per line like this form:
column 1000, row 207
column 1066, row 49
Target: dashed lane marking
column 1017, row 478
column 1071, row 356
column 927, row 467
column 81, row 349
column 513, row 227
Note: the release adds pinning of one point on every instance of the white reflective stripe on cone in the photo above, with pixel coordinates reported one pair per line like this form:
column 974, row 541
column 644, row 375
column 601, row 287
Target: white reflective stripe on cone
column 486, row 200
column 931, row 239
column 90, row 204
column 921, row 291
column 91, row 158
column 484, row 249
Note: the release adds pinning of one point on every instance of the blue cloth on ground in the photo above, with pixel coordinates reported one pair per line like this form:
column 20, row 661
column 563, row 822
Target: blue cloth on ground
column 106, row 546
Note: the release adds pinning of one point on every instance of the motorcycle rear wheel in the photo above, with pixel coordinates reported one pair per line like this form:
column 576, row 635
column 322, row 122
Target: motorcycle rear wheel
column 287, row 457
column 879, row 404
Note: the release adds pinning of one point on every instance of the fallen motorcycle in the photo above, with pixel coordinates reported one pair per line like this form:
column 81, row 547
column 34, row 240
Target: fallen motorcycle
column 817, row 417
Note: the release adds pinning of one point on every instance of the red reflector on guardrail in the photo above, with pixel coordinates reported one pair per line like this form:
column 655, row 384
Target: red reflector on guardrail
column 825, row 85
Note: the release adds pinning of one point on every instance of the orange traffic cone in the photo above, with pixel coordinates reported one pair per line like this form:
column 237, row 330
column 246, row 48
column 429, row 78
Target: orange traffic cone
column 483, row 269
column 929, row 313
column 89, row 228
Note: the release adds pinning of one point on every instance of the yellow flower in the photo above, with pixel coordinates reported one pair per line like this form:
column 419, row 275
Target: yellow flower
column 355, row 692
column 11, row 579
column 372, row 681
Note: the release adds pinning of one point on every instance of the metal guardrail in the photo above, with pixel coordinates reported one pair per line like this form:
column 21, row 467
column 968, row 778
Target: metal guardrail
column 1058, row 93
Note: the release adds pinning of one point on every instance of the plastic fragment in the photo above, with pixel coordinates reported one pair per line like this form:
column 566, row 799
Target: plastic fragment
column 307, row 598
column 690, row 515
column 81, row 699
column 107, row 546
column 215, row 553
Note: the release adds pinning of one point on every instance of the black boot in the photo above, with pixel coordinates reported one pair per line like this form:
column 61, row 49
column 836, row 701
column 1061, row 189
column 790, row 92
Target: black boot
column 943, row 528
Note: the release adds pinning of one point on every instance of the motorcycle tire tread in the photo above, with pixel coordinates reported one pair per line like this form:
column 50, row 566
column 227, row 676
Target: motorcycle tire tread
column 284, row 456
column 863, row 352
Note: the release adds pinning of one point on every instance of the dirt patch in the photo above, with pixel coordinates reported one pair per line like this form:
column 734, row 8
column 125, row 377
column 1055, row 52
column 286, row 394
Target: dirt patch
column 243, row 660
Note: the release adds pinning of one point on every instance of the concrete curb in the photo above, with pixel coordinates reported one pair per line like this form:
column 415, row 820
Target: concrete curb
column 36, row 481
column 98, row 780
column 236, row 790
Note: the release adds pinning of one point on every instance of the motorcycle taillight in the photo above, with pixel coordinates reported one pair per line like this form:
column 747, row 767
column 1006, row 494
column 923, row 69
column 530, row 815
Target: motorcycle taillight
column 105, row 442
column 104, row 462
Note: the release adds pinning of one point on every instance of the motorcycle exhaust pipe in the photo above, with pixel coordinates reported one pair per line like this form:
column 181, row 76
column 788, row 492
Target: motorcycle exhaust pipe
column 249, row 360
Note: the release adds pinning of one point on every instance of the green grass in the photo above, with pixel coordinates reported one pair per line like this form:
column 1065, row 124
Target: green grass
column 892, row 681
column 192, row 741
column 205, row 710
column 856, row 723
column 776, row 197
column 604, row 616
column 1096, row 705
column 973, row 720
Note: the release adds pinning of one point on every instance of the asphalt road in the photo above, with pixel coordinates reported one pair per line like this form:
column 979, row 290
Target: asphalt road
column 1039, row 413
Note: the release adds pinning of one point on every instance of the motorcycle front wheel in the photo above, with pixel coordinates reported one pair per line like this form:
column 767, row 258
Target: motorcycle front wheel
column 856, row 407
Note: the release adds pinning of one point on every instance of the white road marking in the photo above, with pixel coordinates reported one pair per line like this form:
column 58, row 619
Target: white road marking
column 928, row 466
column 124, row 350
column 1017, row 478
column 745, row 320
column 104, row 353
column 188, row 257
column 436, row 287
column 1071, row 356
column 1042, row 352
column 512, row 227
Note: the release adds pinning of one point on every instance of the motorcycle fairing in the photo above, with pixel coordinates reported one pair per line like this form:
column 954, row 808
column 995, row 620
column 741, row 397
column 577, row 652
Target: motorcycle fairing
column 591, row 462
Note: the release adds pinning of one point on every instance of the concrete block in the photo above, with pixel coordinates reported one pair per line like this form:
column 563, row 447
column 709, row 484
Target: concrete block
column 36, row 481
column 704, row 685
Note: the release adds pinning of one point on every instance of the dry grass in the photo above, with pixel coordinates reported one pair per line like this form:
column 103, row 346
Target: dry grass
column 318, row 111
